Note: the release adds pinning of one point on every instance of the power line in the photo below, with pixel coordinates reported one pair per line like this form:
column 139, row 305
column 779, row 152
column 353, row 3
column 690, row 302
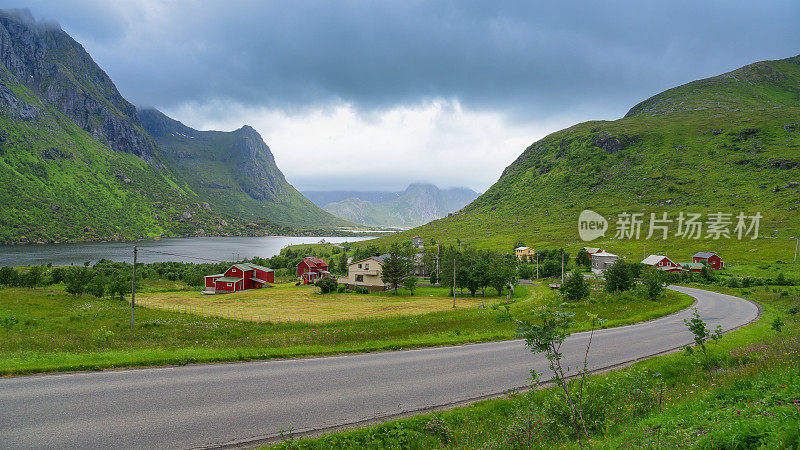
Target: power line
column 183, row 256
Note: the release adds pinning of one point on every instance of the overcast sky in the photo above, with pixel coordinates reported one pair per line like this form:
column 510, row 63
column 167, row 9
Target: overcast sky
column 374, row 95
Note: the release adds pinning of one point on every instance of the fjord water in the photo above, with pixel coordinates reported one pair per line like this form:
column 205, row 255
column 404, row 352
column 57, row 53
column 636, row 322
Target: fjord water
column 195, row 249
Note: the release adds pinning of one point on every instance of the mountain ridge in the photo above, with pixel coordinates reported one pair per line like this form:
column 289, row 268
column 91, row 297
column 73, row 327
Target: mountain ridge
column 419, row 203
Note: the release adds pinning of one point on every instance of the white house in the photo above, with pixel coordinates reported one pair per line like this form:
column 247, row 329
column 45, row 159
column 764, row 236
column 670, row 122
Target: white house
column 366, row 273
column 602, row 260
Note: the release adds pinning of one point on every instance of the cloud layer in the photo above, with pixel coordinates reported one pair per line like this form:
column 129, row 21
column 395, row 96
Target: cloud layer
column 522, row 63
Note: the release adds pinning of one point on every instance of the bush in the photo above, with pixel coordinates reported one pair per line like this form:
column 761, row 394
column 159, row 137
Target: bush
column 327, row 285
column 575, row 287
column 619, row 277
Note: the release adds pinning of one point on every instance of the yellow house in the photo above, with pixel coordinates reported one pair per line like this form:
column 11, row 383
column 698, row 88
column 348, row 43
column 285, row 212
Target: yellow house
column 366, row 273
column 524, row 253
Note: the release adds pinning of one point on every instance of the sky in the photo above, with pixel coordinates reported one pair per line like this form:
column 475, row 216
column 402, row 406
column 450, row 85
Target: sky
column 374, row 95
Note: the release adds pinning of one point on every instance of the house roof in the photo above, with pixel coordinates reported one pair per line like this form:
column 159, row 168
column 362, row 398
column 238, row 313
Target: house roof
column 262, row 268
column 380, row 259
column 592, row 250
column 258, row 280
column 314, row 263
column 604, row 254
column 653, row 259
column 692, row 265
column 229, row 279
column 522, row 248
column 216, row 275
column 704, row 255
column 242, row 267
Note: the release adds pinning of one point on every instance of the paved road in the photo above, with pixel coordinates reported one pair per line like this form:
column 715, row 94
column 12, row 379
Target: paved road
column 214, row 404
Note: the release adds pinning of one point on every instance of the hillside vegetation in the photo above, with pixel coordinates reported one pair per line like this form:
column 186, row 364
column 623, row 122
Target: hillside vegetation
column 728, row 144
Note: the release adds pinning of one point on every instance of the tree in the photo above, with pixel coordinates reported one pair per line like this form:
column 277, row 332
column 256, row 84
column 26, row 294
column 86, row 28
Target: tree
column 654, row 283
column 546, row 335
column 619, row 277
column 97, row 286
column 583, row 258
column 343, row 263
column 411, row 283
column 501, row 272
column 575, row 287
column 119, row 286
column 8, row 276
column 327, row 285
column 550, row 269
column 702, row 335
column 434, row 278
column 396, row 267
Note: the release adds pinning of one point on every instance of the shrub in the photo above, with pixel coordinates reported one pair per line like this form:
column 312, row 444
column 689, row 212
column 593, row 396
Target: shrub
column 327, row 285
column 439, row 429
column 575, row 287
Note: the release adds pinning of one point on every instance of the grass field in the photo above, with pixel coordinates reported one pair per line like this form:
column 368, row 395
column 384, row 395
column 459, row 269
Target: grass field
column 287, row 302
column 749, row 399
column 47, row 330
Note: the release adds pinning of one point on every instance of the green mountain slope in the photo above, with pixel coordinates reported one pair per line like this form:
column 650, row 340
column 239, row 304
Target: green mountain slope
column 77, row 164
column 234, row 172
column 418, row 204
column 728, row 144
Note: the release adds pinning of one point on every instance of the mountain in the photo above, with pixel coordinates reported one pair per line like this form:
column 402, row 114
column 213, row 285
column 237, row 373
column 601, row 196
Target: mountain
column 234, row 172
column 418, row 204
column 77, row 164
column 322, row 198
column 729, row 143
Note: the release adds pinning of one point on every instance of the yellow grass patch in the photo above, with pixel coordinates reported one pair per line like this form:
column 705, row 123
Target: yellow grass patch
column 287, row 302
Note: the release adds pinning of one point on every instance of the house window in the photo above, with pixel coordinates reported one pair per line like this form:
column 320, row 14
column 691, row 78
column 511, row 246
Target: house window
column 359, row 278
column 233, row 270
column 359, row 266
column 229, row 285
column 366, row 266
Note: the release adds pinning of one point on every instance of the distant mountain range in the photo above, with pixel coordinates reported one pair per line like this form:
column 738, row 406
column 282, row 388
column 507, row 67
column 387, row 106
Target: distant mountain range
column 79, row 162
column 418, row 204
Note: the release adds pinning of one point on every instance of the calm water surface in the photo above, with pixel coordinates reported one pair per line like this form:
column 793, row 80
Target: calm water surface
column 196, row 249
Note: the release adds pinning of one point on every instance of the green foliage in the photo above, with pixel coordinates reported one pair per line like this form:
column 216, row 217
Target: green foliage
column 396, row 267
column 327, row 285
column 702, row 336
column 654, row 283
column 619, row 277
column 411, row 283
column 575, row 287
column 583, row 258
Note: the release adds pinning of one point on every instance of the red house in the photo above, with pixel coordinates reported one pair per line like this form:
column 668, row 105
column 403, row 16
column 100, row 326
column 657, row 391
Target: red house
column 711, row 259
column 312, row 269
column 240, row 277
column 663, row 263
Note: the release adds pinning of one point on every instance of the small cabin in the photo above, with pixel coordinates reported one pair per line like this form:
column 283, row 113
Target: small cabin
column 711, row 259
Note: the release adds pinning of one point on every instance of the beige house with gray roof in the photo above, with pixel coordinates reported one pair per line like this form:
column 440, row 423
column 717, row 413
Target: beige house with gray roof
column 366, row 273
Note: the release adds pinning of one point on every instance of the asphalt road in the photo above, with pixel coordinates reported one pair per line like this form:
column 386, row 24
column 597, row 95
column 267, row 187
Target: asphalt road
column 216, row 404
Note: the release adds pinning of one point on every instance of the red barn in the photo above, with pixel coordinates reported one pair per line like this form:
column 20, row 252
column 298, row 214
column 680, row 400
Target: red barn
column 240, row 277
column 711, row 259
column 311, row 269
column 663, row 263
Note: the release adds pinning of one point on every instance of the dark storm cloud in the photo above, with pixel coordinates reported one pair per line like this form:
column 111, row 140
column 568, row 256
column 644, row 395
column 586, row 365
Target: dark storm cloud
column 526, row 57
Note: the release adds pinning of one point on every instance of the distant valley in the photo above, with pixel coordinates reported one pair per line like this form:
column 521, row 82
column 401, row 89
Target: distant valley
column 420, row 203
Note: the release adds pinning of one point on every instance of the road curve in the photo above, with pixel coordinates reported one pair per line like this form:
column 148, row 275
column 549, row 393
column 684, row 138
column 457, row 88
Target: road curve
column 218, row 404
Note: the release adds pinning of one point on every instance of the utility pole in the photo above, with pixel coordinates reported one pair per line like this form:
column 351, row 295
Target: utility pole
column 796, row 248
column 133, row 284
column 454, row 282
column 562, row 266
column 537, row 266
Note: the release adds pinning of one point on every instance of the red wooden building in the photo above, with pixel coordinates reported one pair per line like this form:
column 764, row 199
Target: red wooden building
column 240, row 277
column 663, row 263
column 711, row 259
column 312, row 269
